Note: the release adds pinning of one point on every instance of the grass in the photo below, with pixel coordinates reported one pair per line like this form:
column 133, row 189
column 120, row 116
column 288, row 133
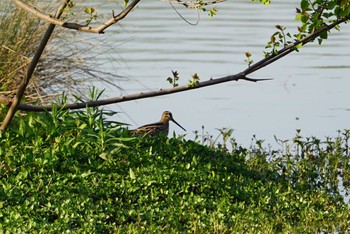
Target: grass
column 18, row 36
column 78, row 172
column 63, row 66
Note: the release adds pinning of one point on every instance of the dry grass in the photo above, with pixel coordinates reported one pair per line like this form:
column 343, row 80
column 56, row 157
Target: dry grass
column 19, row 34
column 61, row 69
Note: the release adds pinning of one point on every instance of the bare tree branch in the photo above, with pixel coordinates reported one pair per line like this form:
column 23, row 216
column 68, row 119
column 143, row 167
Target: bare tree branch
column 141, row 95
column 53, row 20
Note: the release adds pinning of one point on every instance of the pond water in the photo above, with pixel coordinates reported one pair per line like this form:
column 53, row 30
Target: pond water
column 310, row 89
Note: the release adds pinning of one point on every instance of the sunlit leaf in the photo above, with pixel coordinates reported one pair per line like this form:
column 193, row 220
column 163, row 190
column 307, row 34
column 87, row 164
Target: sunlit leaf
column 132, row 174
column 103, row 155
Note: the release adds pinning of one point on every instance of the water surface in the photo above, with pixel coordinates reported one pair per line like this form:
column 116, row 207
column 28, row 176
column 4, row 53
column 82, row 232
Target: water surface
column 309, row 90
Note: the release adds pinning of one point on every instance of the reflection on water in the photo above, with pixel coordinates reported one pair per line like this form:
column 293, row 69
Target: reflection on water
column 309, row 90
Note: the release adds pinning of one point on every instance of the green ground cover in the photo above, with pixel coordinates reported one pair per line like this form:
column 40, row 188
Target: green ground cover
column 78, row 172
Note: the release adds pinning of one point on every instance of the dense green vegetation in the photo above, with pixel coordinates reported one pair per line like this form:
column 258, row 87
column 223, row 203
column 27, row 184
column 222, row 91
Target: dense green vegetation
column 76, row 171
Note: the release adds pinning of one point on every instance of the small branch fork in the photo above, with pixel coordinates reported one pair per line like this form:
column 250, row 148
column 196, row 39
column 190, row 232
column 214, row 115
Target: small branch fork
column 56, row 21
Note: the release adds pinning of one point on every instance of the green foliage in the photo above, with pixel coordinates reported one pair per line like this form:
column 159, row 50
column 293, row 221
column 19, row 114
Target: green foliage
column 76, row 171
column 249, row 61
column 125, row 2
column 315, row 14
column 278, row 39
column 265, row 2
column 203, row 6
column 222, row 142
column 194, row 81
column 67, row 10
column 173, row 80
column 92, row 14
column 211, row 12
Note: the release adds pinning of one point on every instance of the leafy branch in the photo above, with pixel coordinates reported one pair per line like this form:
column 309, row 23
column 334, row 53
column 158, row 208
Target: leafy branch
column 317, row 14
column 277, row 39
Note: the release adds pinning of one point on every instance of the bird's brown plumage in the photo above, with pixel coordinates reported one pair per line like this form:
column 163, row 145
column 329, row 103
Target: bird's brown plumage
column 159, row 127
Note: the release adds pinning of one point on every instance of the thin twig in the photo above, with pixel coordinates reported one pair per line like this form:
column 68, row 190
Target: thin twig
column 193, row 4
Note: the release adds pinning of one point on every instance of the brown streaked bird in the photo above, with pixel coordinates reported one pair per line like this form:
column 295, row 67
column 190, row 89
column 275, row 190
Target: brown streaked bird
column 159, row 127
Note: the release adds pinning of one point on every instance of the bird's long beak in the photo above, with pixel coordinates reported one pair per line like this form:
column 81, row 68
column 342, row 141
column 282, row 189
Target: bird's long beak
column 177, row 124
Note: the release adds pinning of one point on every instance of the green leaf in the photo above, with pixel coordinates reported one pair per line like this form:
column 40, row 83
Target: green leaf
column 305, row 18
column 86, row 174
column 265, row 2
column 304, row 4
column 103, row 155
column 89, row 10
column 212, row 12
column 82, row 126
column 331, row 5
column 126, row 2
column 132, row 174
column 324, row 35
column 298, row 17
